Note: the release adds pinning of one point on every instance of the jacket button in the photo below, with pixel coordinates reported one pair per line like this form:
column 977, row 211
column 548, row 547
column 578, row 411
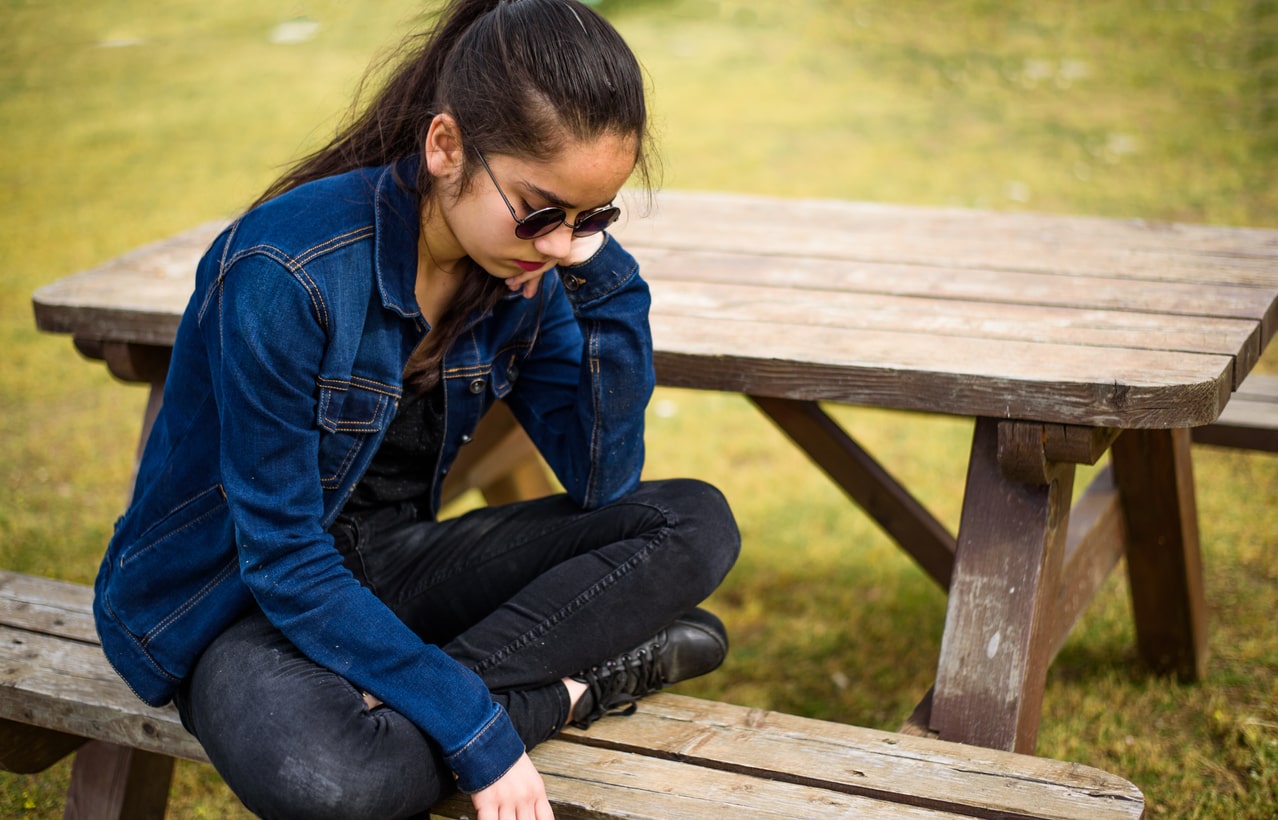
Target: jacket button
column 465, row 439
column 512, row 371
column 477, row 386
column 573, row 282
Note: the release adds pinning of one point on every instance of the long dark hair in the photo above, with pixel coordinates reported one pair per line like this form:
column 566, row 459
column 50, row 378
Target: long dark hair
column 521, row 78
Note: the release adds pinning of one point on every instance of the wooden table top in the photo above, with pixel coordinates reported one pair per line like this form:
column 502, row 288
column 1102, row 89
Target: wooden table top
column 1076, row 320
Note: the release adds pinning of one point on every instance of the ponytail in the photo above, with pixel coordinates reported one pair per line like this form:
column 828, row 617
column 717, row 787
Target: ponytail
column 521, row 78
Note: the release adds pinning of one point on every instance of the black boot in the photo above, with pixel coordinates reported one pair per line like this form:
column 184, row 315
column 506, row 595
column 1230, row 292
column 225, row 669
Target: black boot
column 693, row 645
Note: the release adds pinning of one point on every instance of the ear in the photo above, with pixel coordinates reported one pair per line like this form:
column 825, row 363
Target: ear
column 444, row 155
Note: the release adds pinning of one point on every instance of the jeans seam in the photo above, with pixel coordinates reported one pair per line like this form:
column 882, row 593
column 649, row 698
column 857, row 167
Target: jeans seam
column 587, row 595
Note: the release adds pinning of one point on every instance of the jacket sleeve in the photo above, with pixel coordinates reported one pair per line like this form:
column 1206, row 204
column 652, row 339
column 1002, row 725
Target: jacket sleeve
column 585, row 385
column 265, row 388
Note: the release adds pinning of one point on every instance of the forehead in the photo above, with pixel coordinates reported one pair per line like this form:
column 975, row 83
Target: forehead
column 583, row 173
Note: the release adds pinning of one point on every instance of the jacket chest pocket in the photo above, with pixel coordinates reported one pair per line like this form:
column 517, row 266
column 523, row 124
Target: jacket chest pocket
column 348, row 414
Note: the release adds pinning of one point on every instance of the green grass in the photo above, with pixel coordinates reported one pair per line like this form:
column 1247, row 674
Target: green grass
column 126, row 122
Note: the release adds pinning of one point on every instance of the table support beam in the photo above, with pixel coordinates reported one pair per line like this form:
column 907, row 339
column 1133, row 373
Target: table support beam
column 109, row 782
column 866, row 482
column 1154, row 472
column 998, row 637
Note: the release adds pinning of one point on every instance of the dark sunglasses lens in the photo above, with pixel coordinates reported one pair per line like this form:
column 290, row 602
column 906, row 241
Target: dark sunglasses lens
column 540, row 223
column 596, row 222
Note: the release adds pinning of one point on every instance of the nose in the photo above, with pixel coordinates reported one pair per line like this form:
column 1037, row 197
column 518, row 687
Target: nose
column 555, row 244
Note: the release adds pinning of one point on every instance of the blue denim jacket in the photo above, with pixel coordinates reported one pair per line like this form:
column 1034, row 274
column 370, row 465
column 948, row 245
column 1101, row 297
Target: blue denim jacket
column 285, row 373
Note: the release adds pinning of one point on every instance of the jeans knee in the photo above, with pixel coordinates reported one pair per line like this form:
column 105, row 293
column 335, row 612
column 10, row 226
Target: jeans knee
column 707, row 530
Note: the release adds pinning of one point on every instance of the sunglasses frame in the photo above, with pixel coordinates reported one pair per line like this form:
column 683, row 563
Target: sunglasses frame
column 524, row 231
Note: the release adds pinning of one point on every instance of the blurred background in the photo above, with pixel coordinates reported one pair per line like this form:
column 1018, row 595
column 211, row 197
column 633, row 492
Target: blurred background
column 123, row 122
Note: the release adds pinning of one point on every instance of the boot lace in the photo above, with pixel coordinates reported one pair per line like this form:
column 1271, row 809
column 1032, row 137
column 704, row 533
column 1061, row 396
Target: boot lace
column 617, row 685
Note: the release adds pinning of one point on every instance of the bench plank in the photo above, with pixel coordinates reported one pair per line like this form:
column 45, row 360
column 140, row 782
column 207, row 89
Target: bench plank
column 47, row 605
column 949, row 777
column 1249, row 421
column 588, row 782
column 69, row 686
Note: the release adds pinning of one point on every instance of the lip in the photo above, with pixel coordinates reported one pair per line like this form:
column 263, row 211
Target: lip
column 530, row 266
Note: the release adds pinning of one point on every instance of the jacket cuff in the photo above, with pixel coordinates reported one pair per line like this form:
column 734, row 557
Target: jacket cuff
column 608, row 269
column 488, row 755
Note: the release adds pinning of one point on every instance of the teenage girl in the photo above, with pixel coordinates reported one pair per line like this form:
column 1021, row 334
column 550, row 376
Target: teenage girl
column 281, row 573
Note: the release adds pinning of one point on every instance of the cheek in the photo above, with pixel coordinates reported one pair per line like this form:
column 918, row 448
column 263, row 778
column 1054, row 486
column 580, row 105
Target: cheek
column 487, row 235
column 496, row 236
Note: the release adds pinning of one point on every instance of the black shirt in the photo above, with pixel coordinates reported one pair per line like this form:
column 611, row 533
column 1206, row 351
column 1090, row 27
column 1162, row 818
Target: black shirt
column 404, row 464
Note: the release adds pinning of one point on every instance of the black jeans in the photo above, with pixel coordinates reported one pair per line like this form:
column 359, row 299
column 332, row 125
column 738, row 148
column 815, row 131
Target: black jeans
column 524, row 594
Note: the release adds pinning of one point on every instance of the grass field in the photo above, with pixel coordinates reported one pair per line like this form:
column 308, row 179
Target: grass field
column 124, row 122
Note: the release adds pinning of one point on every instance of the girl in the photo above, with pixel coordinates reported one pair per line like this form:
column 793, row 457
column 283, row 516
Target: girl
column 281, row 574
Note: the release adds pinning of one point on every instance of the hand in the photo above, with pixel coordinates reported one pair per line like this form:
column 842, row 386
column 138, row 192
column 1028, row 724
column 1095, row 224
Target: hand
column 581, row 249
column 519, row 794
column 584, row 247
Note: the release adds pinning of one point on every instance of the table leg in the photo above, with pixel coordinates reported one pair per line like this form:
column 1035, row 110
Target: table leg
column 110, row 782
column 1154, row 472
column 998, row 638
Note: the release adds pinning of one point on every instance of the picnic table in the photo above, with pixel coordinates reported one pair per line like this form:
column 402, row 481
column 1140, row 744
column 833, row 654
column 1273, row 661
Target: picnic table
column 1063, row 337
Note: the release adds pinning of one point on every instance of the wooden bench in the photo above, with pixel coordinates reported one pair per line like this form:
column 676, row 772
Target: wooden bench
column 1249, row 421
column 677, row 757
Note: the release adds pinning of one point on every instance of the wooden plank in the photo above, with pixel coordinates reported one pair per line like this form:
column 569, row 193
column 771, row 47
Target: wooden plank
column 69, row 686
column 993, row 316
column 1059, row 244
column 997, row 641
column 865, row 481
column 1051, row 383
column 1260, row 388
column 1154, row 473
column 46, row 605
column 1244, row 425
column 136, row 297
column 963, row 779
column 586, row 783
column 994, row 287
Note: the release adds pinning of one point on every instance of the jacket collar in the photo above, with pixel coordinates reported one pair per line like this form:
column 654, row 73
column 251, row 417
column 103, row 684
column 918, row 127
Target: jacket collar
column 398, row 225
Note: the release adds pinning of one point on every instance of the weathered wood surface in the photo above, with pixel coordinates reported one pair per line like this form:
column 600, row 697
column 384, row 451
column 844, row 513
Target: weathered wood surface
column 1064, row 319
column 997, row 643
column 882, row 765
column 47, row 606
column 586, row 783
column 678, row 757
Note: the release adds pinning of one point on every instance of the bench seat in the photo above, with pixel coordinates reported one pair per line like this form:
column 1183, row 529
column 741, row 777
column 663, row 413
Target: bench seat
column 677, row 757
column 1249, row 421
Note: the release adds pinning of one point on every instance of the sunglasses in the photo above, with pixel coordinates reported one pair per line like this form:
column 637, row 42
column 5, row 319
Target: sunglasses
column 544, row 220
